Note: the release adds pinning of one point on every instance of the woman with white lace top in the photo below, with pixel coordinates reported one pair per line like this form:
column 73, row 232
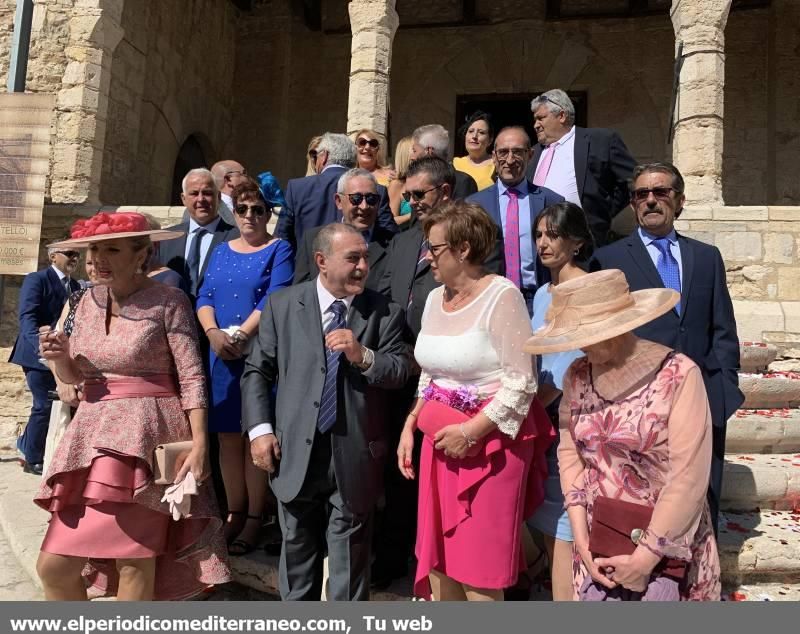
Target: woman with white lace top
column 482, row 465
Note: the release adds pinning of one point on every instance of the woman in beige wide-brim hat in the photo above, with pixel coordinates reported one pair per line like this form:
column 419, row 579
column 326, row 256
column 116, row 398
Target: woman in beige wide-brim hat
column 635, row 426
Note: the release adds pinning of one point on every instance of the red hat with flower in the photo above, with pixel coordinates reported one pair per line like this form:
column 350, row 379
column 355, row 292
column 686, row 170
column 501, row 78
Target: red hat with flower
column 111, row 226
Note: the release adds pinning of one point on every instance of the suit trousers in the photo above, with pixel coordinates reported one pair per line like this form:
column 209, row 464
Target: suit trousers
column 316, row 518
column 33, row 439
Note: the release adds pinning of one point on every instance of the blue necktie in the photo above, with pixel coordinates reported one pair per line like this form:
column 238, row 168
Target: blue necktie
column 193, row 262
column 668, row 268
column 327, row 404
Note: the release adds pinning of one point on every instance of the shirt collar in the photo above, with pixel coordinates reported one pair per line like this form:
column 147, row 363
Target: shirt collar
column 326, row 299
column 564, row 138
column 521, row 187
column 649, row 238
column 211, row 227
column 59, row 272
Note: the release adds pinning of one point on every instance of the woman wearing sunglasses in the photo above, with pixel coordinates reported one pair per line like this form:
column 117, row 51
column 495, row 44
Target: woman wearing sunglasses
column 241, row 275
column 371, row 150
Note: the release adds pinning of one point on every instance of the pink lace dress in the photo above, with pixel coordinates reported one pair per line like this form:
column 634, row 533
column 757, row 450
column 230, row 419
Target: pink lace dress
column 99, row 486
column 652, row 448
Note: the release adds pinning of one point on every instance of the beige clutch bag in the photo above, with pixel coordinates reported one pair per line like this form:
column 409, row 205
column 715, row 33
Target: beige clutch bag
column 165, row 457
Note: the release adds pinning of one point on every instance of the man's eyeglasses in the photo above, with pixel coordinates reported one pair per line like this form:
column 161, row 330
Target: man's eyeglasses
column 642, row 194
column 418, row 194
column 518, row 153
column 70, row 254
column 258, row 210
column 357, row 198
column 373, row 143
column 437, row 249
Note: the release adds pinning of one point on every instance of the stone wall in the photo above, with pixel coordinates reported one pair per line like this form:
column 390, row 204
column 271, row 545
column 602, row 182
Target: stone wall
column 761, row 249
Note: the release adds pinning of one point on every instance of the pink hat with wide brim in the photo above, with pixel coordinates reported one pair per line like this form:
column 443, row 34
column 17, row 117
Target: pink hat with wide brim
column 113, row 226
column 596, row 307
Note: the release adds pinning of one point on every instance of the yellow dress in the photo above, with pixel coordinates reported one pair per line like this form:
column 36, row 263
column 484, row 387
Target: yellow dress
column 481, row 173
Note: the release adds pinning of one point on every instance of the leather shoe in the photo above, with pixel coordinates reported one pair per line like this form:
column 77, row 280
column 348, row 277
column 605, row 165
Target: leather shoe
column 36, row 468
column 384, row 572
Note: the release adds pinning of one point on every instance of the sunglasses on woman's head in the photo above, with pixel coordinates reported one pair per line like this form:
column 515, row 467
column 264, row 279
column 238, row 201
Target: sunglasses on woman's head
column 258, row 210
column 373, row 143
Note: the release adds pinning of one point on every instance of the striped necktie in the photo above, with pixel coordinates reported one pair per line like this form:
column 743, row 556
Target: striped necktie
column 327, row 404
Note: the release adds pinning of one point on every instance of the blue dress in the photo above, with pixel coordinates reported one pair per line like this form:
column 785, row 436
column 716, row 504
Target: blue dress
column 235, row 285
column 551, row 518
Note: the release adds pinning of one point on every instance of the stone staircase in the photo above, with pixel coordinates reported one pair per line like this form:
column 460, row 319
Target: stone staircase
column 759, row 537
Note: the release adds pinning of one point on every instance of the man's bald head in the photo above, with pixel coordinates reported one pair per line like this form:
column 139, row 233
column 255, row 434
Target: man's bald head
column 228, row 174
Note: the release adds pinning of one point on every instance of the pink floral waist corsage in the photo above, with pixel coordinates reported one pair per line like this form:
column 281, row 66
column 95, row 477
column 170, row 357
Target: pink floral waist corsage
column 466, row 399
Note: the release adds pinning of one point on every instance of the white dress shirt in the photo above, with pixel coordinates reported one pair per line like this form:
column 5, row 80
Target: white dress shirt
column 205, row 245
column 561, row 177
column 654, row 253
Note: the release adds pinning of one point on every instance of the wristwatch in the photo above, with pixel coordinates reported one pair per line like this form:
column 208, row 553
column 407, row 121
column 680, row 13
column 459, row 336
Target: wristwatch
column 367, row 359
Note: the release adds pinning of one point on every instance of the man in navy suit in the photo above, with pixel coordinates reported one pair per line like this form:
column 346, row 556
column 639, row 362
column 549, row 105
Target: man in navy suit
column 513, row 203
column 588, row 166
column 311, row 200
column 188, row 256
column 41, row 299
column 702, row 325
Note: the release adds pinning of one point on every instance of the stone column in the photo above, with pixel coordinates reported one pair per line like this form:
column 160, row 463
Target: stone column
column 697, row 142
column 373, row 24
column 82, row 101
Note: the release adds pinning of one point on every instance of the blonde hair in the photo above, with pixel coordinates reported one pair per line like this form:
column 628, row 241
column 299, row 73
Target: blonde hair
column 380, row 157
column 402, row 155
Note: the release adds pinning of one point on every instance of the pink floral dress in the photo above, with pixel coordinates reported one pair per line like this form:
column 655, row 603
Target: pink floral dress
column 652, row 448
column 99, row 486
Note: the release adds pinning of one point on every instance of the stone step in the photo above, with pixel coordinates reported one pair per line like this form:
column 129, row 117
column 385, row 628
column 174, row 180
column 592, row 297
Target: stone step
column 755, row 356
column 766, row 481
column 764, row 431
column 770, row 390
column 760, row 547
column 762, row 592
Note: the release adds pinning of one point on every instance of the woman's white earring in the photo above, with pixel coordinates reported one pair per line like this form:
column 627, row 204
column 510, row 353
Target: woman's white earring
column 576, row 252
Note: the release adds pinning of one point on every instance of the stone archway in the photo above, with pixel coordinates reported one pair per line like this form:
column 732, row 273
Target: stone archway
column 195, row 152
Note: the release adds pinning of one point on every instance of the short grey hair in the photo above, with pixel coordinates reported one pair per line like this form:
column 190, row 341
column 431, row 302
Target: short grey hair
column 435, row 137
column 323, row 242
column 356, row 172
column 340, row 148
column 199, row 171
column 557, row 101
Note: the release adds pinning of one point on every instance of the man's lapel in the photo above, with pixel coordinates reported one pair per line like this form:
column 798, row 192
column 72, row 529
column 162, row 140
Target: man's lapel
column 687, row 263
column 581, row 152
column 641, row 258
column 358, row 317
column 56, row 285
column 309, row 318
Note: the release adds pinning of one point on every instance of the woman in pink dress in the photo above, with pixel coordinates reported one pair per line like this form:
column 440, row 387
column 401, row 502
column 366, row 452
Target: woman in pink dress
column 635, row 438
column 134, row 347
column 482, row 466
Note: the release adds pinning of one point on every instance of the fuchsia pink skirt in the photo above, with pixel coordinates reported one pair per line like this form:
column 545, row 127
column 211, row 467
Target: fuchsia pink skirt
column 471, row 510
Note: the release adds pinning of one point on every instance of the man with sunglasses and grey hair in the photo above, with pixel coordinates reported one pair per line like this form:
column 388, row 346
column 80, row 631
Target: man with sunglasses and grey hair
column 702, row 326
column 588, row 166
column 41, row 298
column 357, row 199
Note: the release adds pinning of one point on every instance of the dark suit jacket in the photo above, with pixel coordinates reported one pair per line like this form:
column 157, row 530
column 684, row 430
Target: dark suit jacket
column 401, row 279
column 603, row 167
column 290, row 351
column 310, row 203
column 705, row 331
column 171, row 252
column 465, row 186
column 305, row 268
column 538, row 199
column 41, row 299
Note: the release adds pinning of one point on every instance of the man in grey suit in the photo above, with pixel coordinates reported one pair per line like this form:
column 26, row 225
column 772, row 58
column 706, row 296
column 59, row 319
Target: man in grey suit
column 332, row 346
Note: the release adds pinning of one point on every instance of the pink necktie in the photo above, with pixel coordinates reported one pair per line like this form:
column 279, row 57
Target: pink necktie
column 545, row 161
column 511, row 238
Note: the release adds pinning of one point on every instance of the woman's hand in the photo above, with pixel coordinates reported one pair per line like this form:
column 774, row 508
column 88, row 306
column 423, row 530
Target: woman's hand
column 223, row 345
column 596, row 572
column 67, row 394
column 53, row 344
column 405, row 449
column 450, row 440
column 195, row 461
column 629, row 571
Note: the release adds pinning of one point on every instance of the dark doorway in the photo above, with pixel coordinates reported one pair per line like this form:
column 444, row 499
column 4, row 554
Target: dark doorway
column 508, row 109
column 190, row 156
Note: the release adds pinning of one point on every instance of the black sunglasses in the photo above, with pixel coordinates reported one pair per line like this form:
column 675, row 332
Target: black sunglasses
column 312, row 154
column 258, row 210
column 70, row 254
column 418, row 194
column 642, row 194
column 357, row 198
column 373, row 143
